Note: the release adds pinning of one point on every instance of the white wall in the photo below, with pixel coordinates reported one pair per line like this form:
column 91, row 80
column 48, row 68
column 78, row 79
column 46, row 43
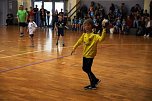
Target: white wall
column 26, row 3
column 71, row 4
column 146, row 5
column 3, row 12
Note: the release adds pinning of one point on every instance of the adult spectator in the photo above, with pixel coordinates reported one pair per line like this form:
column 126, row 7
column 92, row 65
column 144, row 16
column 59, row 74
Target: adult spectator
column 54, row 18
column 35, row 10
column 124, row 11
column 84, row 9
column 150, row 9
column 43, row 16
column 112, row 8
column 9, row 20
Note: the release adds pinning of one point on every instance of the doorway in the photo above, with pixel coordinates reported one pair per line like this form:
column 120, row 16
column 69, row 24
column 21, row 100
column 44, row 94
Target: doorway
column 59, row 6
column 38, row 3
column 48, row 7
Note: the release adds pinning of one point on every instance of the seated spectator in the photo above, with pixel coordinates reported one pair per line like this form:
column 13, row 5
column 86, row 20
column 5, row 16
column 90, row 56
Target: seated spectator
column 9, row 20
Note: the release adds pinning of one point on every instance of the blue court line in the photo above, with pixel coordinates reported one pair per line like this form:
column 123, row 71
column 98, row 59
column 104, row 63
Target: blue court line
column 34, row 63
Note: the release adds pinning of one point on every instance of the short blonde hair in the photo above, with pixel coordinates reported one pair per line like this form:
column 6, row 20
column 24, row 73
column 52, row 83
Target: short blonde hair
column 88, row 21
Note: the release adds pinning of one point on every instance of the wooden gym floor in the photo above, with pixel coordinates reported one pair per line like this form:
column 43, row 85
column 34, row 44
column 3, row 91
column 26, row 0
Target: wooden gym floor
column 49, row 73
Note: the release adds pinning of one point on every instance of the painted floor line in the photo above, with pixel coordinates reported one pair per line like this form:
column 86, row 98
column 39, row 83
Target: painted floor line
column 30, row 64
column 2, row 50
column 27, row 53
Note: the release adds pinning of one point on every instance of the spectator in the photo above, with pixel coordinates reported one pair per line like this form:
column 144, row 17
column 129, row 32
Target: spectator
column 43, row 16
column 54, row 18
column 123, row 11
column 48, row 18
column 150, row 9
column 9, row 20
column 112, row 8
column 35, row 11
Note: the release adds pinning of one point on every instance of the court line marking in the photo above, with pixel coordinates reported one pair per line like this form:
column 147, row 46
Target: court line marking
column 28, row 53
column 125, row 44
column 20, row 54
column 2, row 50
column 34, row 63
column 69, row 47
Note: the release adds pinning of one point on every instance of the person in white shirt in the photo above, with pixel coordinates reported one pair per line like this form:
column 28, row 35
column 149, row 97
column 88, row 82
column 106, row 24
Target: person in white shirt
column 148, row 28
column 31, row 29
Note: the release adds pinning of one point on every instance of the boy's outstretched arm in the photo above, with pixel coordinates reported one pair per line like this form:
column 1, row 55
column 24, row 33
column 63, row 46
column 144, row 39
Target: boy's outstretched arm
column 79, row 42
column 72, row 51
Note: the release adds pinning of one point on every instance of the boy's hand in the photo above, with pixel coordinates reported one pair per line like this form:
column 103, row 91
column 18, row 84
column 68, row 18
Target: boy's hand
column 104, row 23
column 72, row 52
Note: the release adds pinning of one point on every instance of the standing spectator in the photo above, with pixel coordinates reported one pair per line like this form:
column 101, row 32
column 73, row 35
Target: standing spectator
column 136, row 22
column 148, row 28
column 118, row 25
column 61, row 13
column 48, row 18
column 80, row 22
column 66, row 17
column 54, row 18
column 28, row 15
column 128, row 23
column 31, row 13
column 22, row 19
column 111, row 16
column 74, row 23
column 9, row 20
column 150, row 9
column 84, row 9
column 43, row 16
column 146, row 14
column 91, row 12
column 112, row 8
column 36, row 15
column 124, row 11
column 124, row 26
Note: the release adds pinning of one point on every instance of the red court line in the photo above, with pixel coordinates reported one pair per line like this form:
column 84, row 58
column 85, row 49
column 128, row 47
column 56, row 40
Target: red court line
column 30, row 64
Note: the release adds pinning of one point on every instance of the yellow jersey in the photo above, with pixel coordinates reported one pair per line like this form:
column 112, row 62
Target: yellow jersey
column 90, row 41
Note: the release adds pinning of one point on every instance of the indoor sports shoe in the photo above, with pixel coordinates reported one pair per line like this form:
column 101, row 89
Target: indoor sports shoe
column 89, row 87
column 21, row 35
column 97, row 82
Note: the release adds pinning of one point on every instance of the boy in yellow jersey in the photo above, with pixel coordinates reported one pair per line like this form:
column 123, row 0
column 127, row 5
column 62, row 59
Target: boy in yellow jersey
column 89, row 41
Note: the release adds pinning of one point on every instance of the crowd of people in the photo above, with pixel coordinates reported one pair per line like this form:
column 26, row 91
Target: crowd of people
column 121, row 19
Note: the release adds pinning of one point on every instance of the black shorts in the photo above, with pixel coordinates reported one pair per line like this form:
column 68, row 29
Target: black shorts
column 60, row 32
column 22, row 24
column 31, row 35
